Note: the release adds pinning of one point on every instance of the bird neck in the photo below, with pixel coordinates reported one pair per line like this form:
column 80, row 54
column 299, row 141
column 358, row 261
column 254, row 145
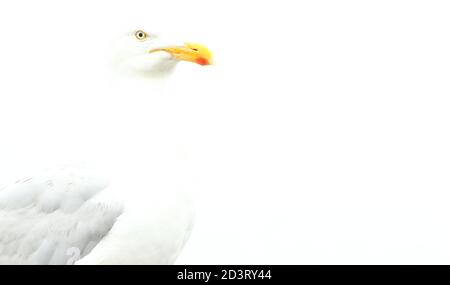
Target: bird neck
column 138, row 122
column 153, row 80
column 127, row 83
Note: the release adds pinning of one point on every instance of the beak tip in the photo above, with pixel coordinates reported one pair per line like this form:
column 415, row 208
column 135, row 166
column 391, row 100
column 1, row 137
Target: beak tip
column 202, row 61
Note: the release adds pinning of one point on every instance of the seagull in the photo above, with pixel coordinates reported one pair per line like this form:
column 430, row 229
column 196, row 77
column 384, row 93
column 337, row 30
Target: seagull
column 78, row 213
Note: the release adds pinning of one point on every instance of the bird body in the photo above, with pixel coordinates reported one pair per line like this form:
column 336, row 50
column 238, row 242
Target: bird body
column 107, row 209
column 68, row 214
column 149, row 231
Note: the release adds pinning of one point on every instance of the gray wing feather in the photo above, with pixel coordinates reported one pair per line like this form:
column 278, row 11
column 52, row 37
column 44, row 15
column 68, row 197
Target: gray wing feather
column 54, row 218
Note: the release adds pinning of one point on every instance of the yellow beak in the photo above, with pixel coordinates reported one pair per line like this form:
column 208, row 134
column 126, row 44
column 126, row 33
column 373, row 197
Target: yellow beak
column 191, row 52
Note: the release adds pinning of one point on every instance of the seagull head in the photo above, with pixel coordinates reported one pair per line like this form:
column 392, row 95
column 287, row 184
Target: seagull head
column 144, row 53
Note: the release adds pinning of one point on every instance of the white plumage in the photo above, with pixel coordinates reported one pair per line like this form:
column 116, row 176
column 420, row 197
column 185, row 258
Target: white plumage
column 73, row 214
column 52, row 217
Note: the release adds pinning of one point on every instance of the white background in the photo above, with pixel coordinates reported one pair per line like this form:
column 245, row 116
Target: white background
column 322, row 131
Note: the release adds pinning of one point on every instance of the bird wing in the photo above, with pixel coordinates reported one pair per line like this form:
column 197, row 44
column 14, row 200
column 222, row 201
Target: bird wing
column 55, row 217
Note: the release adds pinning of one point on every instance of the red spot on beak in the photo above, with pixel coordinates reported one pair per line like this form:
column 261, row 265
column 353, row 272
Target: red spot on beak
column 202, row 61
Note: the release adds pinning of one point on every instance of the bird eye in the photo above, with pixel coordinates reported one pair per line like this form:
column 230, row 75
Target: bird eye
column 140, row 35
